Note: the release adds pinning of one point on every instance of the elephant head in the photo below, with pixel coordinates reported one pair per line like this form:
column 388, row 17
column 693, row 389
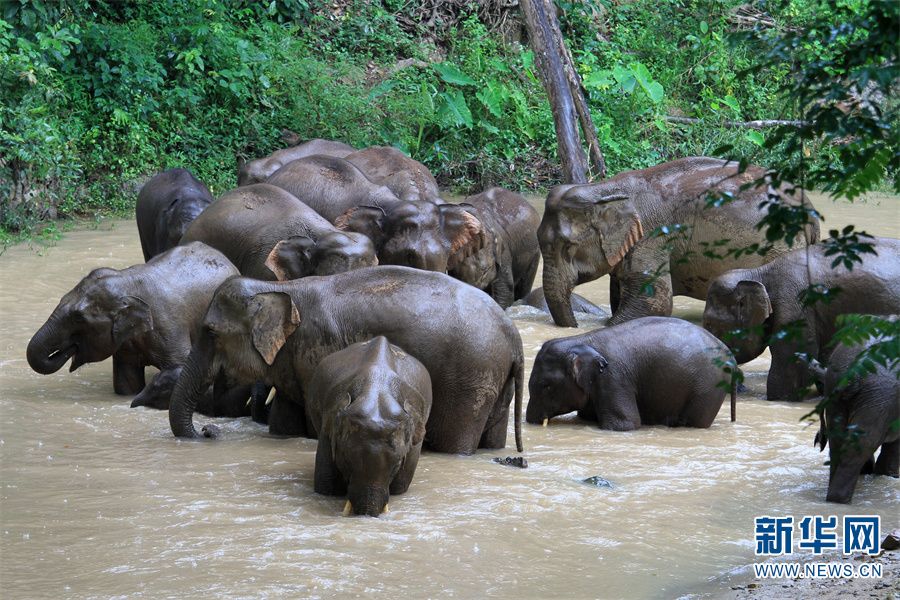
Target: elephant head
column 585, row 232
column 243, row 332
column 174, row 221
column 89, row 324
column 737, row 311
column 561, row 380
column 423, row 235
column 370, row 452
column 300, row 256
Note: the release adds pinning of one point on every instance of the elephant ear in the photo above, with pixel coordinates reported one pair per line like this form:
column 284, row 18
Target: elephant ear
column 463, row 229
column 291, row 258
column 754, row 306
column 617, row 221
column 273, row 318
column 132, row 318
column 414, row 412
column 585, row 362
column 367, row 220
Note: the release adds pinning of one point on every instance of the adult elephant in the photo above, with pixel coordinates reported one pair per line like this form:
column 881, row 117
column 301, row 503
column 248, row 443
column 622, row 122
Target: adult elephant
column 408, row 178
column 592, row 230
column 166, row 206
column 144, row 315
column 507, row 263
column 330, row 186
column 859, row 417
column 247, row 223
column 745, row 307
column 278, row 333
column 257, row 171
column 648, row 371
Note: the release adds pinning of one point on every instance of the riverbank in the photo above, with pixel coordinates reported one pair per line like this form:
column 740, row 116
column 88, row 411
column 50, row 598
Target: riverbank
column 740, row 584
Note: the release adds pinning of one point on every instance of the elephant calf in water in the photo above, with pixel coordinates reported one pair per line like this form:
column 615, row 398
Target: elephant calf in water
column 648, row 371
column 368, row 403
column 144, row 315
column 868, row 406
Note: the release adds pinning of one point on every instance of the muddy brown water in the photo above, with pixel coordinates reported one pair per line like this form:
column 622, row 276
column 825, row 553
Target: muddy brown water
column 99, row 500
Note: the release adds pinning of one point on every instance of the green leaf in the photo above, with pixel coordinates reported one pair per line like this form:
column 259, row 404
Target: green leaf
column 653, row 89
column 600, row 80
column 704, row 26
column 732, row 103
column 492, row 96
column 452, row 75
column 756, row 137
column 624, row 77
column 453, row 109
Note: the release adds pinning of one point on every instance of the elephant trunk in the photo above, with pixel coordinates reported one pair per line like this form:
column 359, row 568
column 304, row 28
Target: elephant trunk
column 368, row 499
column 559, row 281
column 196, row 377
column 520, row 385
column 48, row 351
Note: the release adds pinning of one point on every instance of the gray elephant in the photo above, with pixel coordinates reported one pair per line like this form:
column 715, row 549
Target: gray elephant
column 143, row 315
column 330, row 186
column 647, row 371
column 604, row 228
column 409, row 179
column 422, row 235
column 744, row 307
column 257, row 171
column 369, row 403
column 580, row 304
column 166, row 206
column 858, row 419
column 506, row 265
column 247, row 223
column 278, row 333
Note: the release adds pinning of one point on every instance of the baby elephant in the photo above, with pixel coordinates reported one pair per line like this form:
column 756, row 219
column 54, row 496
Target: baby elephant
column 858, row 418
column 368, row 403
column 651, row 371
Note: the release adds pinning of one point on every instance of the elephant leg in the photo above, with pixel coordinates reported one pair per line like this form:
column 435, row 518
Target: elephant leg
column 614, row 293
column 645, row 286
column 588, row 412
column 405, row 475
column 327, row 478
column 847, row 461
column 615, row 405
column 526, row 281
column 158, row 392
column 259, row 412
column 286, row 417
column 502, row 287
column 233, row 401
column 495, row 429
column 868, row 467
column 888, row 462
column 128, row 373
column 788, row 377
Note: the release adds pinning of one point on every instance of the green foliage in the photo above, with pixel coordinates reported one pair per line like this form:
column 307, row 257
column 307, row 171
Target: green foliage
column 98, row 95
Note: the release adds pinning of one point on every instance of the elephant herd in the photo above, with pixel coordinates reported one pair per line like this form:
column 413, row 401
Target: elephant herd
column 335, row 295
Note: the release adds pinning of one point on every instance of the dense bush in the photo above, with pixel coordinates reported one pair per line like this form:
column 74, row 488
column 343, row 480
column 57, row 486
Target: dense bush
column 94, row 96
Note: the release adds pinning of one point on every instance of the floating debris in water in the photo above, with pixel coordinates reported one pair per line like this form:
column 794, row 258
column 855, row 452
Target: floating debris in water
column 509, row 461
column 597, row 481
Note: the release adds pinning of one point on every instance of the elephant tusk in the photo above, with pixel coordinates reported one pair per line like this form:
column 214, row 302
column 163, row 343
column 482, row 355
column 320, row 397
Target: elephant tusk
column 387, row 509
column 348, row 508
column 249, row 401
column 270, row 397
column 545, row 422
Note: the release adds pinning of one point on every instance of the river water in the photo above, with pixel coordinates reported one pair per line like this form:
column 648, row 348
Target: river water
column 99, row 500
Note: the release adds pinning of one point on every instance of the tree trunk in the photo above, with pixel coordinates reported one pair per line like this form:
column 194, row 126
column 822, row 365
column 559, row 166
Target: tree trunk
column 588, row 129
column 538, row 14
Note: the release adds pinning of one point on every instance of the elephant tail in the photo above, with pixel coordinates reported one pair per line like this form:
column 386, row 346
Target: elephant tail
column 519, row 375
column 734, row 386
column 821, row 435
